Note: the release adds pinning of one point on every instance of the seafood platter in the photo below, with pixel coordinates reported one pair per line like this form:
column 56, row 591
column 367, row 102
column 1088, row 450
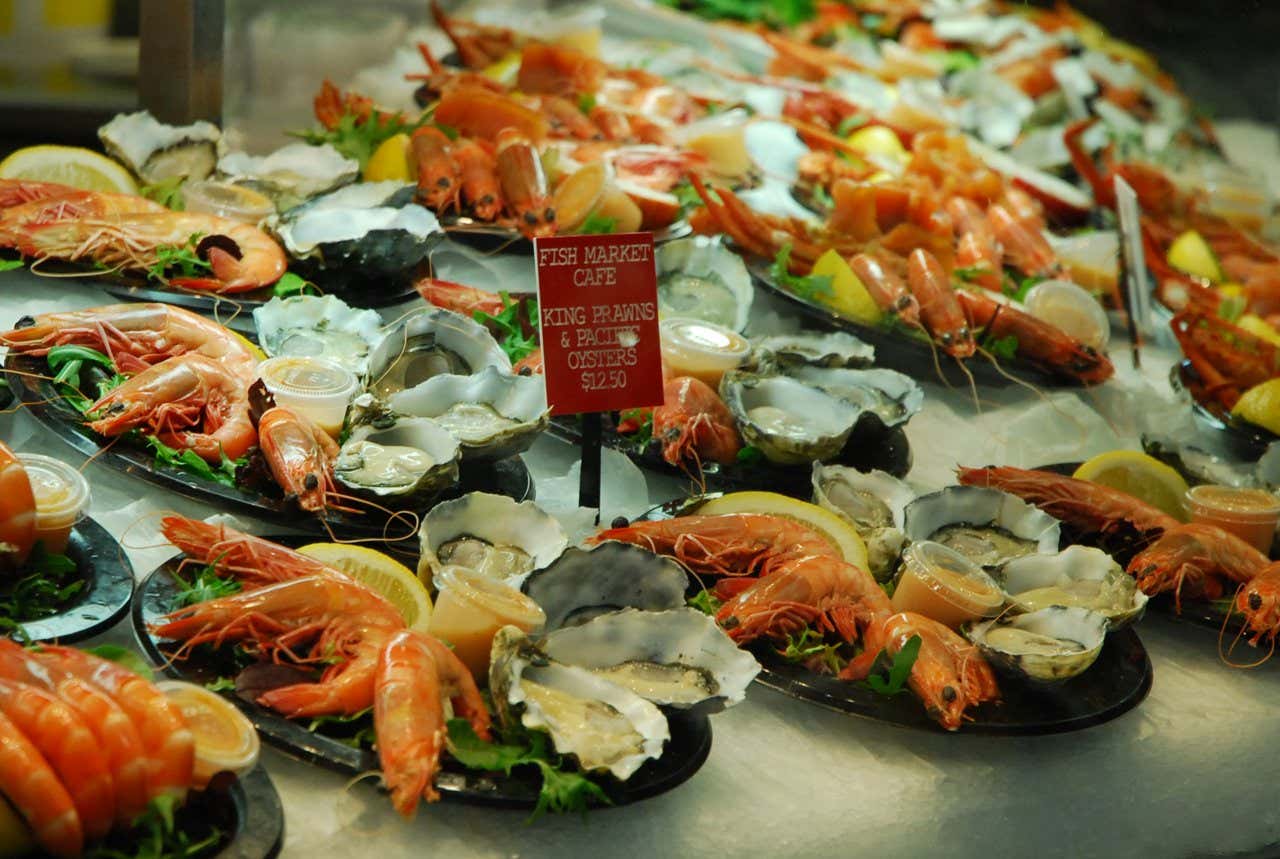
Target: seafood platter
column 855, row 205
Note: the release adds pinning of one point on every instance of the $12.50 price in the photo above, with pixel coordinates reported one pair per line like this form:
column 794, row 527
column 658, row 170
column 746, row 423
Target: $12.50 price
column 600, row 380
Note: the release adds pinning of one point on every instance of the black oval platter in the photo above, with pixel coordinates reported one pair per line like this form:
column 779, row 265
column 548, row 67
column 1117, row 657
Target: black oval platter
column 1245, row 440
column 685, row 752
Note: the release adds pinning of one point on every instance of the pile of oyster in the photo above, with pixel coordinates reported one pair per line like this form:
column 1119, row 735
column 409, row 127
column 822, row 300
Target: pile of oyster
column 1058, row 605
column 439, row 392
column 619, row 647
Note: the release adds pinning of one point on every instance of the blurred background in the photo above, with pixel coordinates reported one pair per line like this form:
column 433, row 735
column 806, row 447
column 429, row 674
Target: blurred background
column 67, row 66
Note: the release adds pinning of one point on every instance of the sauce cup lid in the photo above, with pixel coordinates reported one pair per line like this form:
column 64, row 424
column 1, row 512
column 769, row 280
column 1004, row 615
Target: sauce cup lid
column 938, row 566
column 491, row 595
column 306, row 377
column 704, row 338
column 76, row 501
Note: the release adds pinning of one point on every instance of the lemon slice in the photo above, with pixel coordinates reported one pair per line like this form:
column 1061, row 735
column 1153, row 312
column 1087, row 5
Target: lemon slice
column 391, row 161
column 387, row 576
column 1144, row 477
column 68, row 165
column 831, row 527
column 877, row 140
column 1259, row 327
column 1260, row 405
column 1191, row 254
column 225, row 738
column 848, row 296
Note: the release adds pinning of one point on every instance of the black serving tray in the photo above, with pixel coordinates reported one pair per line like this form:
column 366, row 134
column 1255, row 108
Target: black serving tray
column 684, row 754
column 108, row 579
column 1245, row 440
column 507, row 477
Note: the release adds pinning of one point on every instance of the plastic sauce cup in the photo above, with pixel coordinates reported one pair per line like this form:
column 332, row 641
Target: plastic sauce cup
column 704, row 350
column 1072, row 310
column 317, row 388
column 942, row 584
column 469, row 610
column 1250, row 514
column 62, row 497
column 227, row 201
column 226, row 740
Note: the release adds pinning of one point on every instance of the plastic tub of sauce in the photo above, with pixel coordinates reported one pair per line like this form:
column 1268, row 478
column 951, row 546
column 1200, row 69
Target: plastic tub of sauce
column 1071, row 309
column 317, row 388
column 226, row 740
column 942, row 584
column 61, row 495
column 469, row 610
column 227, row 201
column 1250, row 514
column 691, row 347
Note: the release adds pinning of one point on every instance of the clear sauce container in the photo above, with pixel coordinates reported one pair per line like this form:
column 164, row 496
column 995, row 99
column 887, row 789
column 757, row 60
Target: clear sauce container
column 691, row 347
column 942, row 584
column 314, row 387
column 226, row 740
column 227, row 201
column 61, row 495
column 469, row 610
column 1071, row 309
column 1250, row 514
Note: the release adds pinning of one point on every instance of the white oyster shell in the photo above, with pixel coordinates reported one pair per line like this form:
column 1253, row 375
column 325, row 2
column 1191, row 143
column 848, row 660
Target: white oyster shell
column 604, row 726
column 790, row 421
column 892, row 397
column 350, row 214
column 584, row 583
column 318, row 327
column 496, row 520
column 292, row 173
column 980, row 506
column 1048, row 646
column 680, row 657
column 155, row 152
column 492, row 413
column 844, row 491
column 373, row 461
column 1115, row 593
column 699, row 278
column 830, row 349
column 427, row 343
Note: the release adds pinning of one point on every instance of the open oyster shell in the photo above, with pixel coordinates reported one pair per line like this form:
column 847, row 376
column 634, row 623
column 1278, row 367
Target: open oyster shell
column 874, row 503
column 493, row 414
column 584, row 583
column 829, row 349
column 430, row 342
column 790, row 421
column 885, row 398
column 292, row 174
column 1049, row 645
column 491, row 534
column 679, row 657
column 398, row 461
column 155, row 152
column 318, row 327
column 1078, row 576
column 985, row 525
column 601, row 724
column 699, row 278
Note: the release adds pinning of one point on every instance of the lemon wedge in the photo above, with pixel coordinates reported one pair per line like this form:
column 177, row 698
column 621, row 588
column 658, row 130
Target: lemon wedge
column 877, row 140
column 828, row 525
column 1260, row 405
column 848, row 296
column 1191, row 254
column 225, row 738
column 504, row 70
column 68, row 165
column 390, row 578
column 392, row 161
column 1144, row 477
column 1259, row 327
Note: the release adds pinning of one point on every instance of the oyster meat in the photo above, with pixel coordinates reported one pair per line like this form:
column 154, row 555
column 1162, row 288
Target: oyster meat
column 431, row 342
column 155, row 152
column 699, row 278
column 490, row 534
column 1048, row 645
column 408, row 460
column 832, row 349
column 679, row 657
column 601, row 724
column 987, row 526
column 1078, row 576
column 791, row 422
column 292, row 174
column 493, row 414
column 584, row 583
column 874, row 503
column 318, row 327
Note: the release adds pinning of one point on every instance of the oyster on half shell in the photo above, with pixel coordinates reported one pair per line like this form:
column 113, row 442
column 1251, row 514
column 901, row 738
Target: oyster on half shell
column 830, row 349
column 292, row 174
column 1049, row 645
column 886, row 397
column 406, row 461
column 987, row 526
column 491, row 534
column 874, row 503
column 156, row 152
column 1078, row 576
column 430, row 342
column 790, row 421
column 699, row 278
column 493, row 414
column 318, row 327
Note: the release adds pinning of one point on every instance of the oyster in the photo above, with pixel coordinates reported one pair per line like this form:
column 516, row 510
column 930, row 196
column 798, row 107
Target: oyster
column 606, row 727
column 427, row 343
column 318, row 327
column 408, row 460
column 874, row 503
column 292, row 174
column 680, row 657
column 491, row 534
column 1048, row 645
column 985, row 525
column 155, row 152
column 791, row 422
column 833, row 349
column 699, row 278
column 362, row 233
column 493, row 414
column 584, row 583
column 885, row 396
column 1078, row 576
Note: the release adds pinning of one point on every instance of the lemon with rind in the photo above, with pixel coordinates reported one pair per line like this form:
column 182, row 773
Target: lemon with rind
column 848, row 296
column 1260, row 406
column 390, row 578
column 390, row 162
column 1191, row 254
column 68, row 165
column 1144, row 477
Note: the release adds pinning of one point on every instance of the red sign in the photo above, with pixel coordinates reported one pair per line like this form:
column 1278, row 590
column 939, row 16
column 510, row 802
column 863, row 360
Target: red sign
column 598, row 304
